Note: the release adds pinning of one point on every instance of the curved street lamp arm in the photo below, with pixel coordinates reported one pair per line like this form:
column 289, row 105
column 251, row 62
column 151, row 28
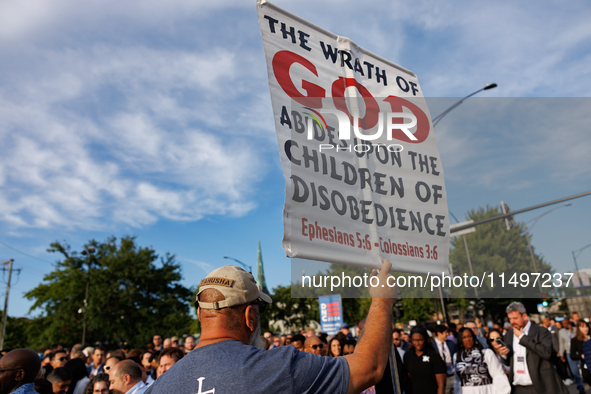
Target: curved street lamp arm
column 248, row 267
column 438, row 118
column 579, row 251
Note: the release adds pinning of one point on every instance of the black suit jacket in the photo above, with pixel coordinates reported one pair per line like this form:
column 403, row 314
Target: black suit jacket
column 384, row 386
column 538, row 345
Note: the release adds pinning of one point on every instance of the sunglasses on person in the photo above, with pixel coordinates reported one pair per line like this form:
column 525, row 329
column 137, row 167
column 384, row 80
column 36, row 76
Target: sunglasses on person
column 262, row 305
column 107, row 368
column 9, row 369
column 317, row 346
column 62, row 358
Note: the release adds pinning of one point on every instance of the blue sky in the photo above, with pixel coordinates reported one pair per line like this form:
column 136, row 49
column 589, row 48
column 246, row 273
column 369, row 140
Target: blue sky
column 154, row 119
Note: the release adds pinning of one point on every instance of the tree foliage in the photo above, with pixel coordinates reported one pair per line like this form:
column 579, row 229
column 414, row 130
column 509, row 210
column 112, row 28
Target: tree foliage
column 297, row 305
column 297, row 313
column 493, row 248
column 131, row 295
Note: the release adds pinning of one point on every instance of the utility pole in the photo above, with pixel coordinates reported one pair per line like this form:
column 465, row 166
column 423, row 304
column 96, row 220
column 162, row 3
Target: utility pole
column 5, row 314
column 88, row 251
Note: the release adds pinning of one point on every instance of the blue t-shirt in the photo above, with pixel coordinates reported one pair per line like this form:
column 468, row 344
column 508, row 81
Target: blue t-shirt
column 233, row 367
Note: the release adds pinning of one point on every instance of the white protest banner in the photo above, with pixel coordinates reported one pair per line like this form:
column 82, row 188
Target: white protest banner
column 363, row 174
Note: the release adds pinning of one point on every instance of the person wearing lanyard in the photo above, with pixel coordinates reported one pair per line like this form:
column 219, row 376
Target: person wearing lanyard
column 528, row 349
column 446, row 350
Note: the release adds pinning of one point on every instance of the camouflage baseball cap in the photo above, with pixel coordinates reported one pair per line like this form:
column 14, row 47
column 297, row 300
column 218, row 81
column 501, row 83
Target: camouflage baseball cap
column 238, row 286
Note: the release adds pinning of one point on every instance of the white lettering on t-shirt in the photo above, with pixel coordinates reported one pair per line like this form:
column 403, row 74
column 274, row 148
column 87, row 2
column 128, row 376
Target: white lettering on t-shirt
column 200, row 380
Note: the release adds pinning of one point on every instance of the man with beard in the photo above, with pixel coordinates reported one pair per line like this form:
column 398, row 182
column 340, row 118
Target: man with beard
column 189, row 344
column 226, row 359
column 528, row 350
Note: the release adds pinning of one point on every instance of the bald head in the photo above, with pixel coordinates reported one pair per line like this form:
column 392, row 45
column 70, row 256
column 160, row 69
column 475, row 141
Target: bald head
column 21, row 366
column 313, row 345
column 127, row 367
column 124, row 375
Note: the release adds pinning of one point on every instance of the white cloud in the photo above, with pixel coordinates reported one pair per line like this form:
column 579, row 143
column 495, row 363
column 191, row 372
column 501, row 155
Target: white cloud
column 131, row 112
column 114, row 135
column 203, row 265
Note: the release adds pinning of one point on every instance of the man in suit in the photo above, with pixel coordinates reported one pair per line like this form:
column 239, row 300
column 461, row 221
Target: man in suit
column 446, row 350
column 528, row 351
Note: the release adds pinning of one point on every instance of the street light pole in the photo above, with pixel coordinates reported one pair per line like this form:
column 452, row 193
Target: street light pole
column 240, row 262
column 531, row 253
column 575, row 254
column 88, row 251
column 435, row 121
column 5, row 314
column 438, row 118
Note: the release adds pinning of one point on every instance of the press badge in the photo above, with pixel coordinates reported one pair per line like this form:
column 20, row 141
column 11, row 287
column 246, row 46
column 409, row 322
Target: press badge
column 520, row 367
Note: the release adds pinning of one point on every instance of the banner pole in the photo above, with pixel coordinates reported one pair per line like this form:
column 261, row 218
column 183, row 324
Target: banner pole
column 394, row 370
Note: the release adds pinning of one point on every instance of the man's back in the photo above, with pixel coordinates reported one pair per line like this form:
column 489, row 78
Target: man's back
column 231, row 367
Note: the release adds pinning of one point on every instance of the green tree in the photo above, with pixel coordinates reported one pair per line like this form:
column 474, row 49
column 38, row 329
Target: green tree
column 130, row 296
column 495, row 249
column 16, row 332
column 419, row 309
column 296, row 313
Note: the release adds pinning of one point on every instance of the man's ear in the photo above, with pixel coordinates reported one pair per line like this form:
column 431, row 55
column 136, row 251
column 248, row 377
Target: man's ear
column 199, row 313
column 250, row 316
column 127, row 379
column 20, row 375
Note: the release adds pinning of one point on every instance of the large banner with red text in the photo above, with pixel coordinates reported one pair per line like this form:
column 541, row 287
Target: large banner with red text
column 364, row 180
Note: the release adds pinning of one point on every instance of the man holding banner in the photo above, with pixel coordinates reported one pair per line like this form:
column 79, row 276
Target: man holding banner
column 224, row 361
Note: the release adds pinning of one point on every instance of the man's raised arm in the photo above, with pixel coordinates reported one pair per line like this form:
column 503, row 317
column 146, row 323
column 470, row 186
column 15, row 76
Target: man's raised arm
column 367, row 363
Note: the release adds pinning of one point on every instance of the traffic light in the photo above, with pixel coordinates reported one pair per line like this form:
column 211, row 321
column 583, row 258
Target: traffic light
column 509, row 222
column 398, row 310
column 480, row 304
column 544, row 303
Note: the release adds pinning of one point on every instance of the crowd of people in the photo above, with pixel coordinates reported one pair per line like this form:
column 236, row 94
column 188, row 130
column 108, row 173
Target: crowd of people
column 92, row 370
column 518, row 356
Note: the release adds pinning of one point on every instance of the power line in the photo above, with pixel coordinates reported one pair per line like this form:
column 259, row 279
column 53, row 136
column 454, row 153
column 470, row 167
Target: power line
column 26, row 254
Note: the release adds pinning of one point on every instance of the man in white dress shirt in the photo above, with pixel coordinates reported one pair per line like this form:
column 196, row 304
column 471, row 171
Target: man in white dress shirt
column 446, row 350
column 126, row 378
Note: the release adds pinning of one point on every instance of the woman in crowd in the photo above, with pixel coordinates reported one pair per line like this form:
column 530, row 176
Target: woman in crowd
column 98, row 385
column 335, row 348
column 576, row 352
column 478, row 370
column 426, row 369
column 492, row 336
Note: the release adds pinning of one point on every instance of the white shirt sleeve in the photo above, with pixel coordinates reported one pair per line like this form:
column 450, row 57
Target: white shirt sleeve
column 500, row 382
